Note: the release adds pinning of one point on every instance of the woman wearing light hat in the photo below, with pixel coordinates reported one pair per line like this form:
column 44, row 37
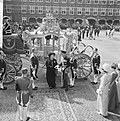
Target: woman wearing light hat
column 102, row 98
column 113, row 96
column 118, row 83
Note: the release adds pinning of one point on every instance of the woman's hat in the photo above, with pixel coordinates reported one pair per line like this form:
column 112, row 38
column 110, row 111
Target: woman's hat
column 106, row 67
column 114, row 65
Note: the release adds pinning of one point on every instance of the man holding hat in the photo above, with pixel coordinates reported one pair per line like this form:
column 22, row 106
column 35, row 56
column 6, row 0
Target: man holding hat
column 23, row 86
column 2, row 71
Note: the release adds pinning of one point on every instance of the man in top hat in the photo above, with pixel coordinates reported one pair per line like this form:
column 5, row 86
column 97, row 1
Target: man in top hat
column 23, row 86
column 2, row 71
column 96, row 65
column 65, row 67
column 34, row 67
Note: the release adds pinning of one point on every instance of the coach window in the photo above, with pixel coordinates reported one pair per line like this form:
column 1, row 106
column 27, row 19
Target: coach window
column 8, row 8
column 79, row 1
column 79, row 11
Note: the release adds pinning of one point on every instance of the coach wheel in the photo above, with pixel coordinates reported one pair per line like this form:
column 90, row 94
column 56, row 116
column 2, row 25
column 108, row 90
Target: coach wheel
column 84, row 65
column 10, row 74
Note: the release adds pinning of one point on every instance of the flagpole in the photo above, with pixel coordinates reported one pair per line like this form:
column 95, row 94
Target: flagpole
column 1, row 23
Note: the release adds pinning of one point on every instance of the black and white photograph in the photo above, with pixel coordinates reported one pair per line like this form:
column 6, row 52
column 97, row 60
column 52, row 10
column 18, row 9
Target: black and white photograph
column 59, row 60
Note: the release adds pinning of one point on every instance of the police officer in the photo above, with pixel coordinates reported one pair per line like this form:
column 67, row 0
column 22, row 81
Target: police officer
column 96, row 65
column 2, row 71
column 65, row 69
column 23, row 86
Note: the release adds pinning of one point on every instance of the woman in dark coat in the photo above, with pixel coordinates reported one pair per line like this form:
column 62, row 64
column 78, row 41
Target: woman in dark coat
column 113, row 96
column 51, row 71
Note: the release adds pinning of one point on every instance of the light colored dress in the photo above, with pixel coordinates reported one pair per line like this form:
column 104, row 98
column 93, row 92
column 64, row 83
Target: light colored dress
column 102, row 98
column 118, row 86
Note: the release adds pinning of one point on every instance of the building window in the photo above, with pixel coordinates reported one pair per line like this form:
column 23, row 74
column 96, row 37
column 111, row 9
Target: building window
column 63, row 10
column 24, row 19
column 48, row 9
column 111, row 2
column 95, row 11
column 87, row 11
column 32, row 9
column 8, row 8
column 79, row 11
column 71, row 11
column 96, row 1
column 87, row 1
column 56, row 9
column 103, row 11
column 40, row 0
column 56, row 1
column 48, row 1
column 80, row 1
column 117, row 12
column 110, row 11
column 8, row 0
column 23, row 9
column 63, row 1
column 40, row 9
column 31, row 0
column 72, row 1
column 104, row 1
column 118, row 2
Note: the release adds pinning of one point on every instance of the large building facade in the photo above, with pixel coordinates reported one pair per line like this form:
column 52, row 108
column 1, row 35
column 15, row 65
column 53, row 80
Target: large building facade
column 101, row 11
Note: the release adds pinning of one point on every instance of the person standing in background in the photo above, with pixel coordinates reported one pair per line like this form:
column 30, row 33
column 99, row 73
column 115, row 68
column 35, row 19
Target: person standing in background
column 103, row 91
column 23, row 86
column 96, row 65
column 51, row 70
column 113, row 96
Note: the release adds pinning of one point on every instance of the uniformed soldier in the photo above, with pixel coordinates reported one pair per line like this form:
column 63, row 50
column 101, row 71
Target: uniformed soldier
column 65, row 69
column 34, row 68
column 23, row 86
column 73, row 67
column 96, row 65
column 2, row 71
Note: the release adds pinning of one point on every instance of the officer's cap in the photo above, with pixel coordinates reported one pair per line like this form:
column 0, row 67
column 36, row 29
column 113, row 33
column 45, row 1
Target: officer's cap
column 52, row 53
column 62, row 51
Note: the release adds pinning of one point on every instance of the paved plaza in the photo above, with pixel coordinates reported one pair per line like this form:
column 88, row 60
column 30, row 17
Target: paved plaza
column 78, row 104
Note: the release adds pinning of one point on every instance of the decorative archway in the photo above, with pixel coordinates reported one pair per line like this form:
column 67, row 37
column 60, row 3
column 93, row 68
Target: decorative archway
column 109, row 22
column 116, row 22
column 79, row 21
column 39, row 20
column 102, row 22
column 32, row 20
column 63, row 20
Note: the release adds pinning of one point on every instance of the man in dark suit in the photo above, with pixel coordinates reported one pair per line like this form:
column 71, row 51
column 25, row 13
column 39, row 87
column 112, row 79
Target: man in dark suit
column 34, row 67
column 96, row 65
column 2, row 71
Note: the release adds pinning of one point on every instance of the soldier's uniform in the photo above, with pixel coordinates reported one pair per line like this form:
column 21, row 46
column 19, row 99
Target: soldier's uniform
column 23, row 86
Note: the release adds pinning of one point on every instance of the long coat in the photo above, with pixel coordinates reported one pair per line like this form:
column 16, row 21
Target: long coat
column 102, row 98
column 113, row 96
column 118, row 86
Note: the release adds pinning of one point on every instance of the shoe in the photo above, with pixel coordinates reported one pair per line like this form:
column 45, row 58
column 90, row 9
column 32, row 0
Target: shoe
column 5, row 88
column 71, row 86
column 28, row 118
column 62, row 87
column 66, row 89
column 35, row 88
